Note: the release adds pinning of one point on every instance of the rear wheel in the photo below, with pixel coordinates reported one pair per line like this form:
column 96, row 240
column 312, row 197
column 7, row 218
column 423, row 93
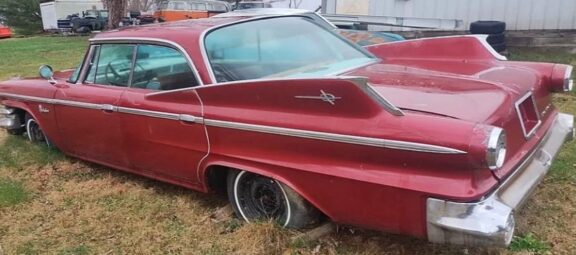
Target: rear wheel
column 255, row 197
column 35, row 133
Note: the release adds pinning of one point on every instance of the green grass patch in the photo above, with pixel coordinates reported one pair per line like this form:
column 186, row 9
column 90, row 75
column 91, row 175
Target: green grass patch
column 12, row 193
column 21, row 57
column 27, row 248
column 78, row 250
column 544, row 55
column 529, row 243
column 17, row 152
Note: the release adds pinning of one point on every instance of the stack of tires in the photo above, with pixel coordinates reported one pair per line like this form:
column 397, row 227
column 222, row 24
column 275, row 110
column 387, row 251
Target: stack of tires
column 495, row 31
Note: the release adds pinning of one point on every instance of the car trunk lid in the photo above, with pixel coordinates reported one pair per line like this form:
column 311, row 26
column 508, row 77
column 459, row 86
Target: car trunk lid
column 474, row 93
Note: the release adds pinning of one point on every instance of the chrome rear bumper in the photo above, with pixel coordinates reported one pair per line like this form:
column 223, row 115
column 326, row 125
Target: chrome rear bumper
column 491, row 221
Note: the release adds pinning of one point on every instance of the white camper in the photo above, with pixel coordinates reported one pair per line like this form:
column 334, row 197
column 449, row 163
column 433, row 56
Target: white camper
column 53, row 11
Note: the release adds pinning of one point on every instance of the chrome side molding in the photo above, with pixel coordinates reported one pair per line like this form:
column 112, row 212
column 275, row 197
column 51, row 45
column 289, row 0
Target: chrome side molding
column 333, row 137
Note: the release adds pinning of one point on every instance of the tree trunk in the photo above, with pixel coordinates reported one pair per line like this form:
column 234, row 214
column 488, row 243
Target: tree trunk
column 116, row 11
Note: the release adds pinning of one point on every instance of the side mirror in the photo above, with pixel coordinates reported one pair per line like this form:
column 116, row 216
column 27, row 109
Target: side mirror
column 47, row 73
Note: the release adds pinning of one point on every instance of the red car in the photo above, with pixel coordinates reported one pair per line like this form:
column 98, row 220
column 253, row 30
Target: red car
column 5, row 32
column 437, row 138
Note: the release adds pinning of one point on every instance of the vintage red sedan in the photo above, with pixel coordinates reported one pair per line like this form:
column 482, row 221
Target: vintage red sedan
column 437, row 138
column 5, row 32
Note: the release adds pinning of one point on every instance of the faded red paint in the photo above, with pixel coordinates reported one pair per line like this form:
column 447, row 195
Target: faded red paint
column 450, row 89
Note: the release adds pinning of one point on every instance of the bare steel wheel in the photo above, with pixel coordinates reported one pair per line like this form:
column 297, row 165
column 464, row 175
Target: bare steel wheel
column 256, row 197
column 35, row 133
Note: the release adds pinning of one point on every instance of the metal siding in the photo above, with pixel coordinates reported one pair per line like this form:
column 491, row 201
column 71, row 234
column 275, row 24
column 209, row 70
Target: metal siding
column 567, row 11
column 537, row 14
column 518, row 14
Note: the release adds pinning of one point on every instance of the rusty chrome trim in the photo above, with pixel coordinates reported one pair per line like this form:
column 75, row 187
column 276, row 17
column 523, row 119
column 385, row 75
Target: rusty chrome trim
column 527, row 134
column 332, row 137
column 148, row 40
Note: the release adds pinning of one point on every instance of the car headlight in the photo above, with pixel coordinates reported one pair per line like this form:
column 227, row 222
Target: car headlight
column 496, row 149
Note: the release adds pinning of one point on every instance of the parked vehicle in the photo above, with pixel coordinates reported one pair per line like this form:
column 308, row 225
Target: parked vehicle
column 54, row 13
column 5, row 32
column 91, row 20
column 439, row 138
column 185, row 9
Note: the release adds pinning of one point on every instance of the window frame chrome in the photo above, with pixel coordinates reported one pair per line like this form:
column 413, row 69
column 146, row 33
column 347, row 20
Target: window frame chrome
column 151, row 41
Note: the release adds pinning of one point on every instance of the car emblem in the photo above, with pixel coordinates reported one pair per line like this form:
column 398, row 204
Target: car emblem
column 326, row 97
column 43, row 109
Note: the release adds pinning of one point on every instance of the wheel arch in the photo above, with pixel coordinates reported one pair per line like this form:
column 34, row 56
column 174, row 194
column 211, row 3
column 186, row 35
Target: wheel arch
column 214, row 177
column 24, row 108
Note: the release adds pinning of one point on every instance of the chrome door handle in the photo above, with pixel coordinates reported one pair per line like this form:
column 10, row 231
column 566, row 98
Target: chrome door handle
column 108, row 108
column 188, row 118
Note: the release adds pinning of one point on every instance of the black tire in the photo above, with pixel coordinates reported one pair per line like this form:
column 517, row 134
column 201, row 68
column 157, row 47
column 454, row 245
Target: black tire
column 17, row 132
column 255, row 197
column 84, row 30
column 499, row 47
column 496, row 39
column 487, row 27
column 34, row 132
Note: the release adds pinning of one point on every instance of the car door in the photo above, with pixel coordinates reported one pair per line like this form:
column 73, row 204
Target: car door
column 162, row 123
column 86, row 111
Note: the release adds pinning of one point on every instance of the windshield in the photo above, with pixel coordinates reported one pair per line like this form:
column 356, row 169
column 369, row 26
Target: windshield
column 279, row 47
column 91, row 13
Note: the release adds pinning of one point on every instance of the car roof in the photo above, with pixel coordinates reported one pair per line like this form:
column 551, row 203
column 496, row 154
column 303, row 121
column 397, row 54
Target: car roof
column 182, row 32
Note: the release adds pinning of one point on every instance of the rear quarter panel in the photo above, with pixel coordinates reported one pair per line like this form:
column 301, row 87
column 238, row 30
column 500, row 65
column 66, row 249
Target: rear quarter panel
column 374, row 187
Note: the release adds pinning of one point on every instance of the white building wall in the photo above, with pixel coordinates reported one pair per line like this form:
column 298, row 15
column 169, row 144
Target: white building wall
column 518, row 14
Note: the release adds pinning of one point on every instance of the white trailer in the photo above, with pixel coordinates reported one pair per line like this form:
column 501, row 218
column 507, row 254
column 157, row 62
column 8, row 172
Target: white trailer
column 59, row 9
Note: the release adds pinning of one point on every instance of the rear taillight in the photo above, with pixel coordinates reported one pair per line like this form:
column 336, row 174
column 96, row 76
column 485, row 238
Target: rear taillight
column 561, row 80
column 528, row 114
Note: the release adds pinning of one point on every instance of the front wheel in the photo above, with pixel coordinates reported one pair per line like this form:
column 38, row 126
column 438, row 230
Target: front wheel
column 255, row 197
column 35, row 133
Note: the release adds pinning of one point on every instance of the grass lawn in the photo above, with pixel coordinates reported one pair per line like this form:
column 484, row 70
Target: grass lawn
column 57, row 205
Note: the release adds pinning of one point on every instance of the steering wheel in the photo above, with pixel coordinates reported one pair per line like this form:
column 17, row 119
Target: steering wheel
column 116, row 77
column 119, row 80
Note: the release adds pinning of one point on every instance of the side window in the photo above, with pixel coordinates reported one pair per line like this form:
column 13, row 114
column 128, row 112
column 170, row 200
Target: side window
column 111, row 64
column 161, row 68
column 92, row 65
column 198, row 6
column 180, row 6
